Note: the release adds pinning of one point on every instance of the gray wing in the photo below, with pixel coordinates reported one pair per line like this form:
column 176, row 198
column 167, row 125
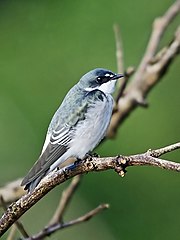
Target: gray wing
column 57, row 145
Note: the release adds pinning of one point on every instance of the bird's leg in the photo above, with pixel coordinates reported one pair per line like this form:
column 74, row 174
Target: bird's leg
column 88, row 155
column 71, row 166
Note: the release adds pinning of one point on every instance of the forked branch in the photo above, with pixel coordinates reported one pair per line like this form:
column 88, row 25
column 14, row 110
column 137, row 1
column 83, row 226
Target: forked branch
column 60, row 225
column 150, row 71
column 91, row 164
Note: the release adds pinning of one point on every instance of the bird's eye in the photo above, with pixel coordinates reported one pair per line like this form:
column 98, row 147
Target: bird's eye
column 105, row 78
column 100, row 79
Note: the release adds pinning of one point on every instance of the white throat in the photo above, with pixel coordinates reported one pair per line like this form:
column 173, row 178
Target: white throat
column 106, row 88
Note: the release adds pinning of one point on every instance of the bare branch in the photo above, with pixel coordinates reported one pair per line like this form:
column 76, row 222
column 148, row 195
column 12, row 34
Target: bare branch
column 149, row 72
column 120, row 62
column 137, row 89
column 53, row 228
column 18, row 208
column 119, row 49
column 140, row 87
column 64, row 201
column 12, row 191
column 18, row 224
column 159, row 26
column 157, row 153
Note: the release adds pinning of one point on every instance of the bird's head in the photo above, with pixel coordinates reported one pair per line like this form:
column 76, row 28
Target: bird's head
column 101, row 79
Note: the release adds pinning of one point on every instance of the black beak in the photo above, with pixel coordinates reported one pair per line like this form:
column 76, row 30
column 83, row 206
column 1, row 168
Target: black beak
column 116, row 76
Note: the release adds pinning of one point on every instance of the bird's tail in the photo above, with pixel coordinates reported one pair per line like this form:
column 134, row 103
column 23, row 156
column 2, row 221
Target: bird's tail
column 32, row 185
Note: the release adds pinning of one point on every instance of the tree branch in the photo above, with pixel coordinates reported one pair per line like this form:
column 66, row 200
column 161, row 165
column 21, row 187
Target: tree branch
column 18, row 224
column 11, row 191
column 119, row 48
column 120, row 61
column 64, row 201
column 136, row 92
column 91, row 164
column 149, row 72
column 159, row 26
column 57, row 226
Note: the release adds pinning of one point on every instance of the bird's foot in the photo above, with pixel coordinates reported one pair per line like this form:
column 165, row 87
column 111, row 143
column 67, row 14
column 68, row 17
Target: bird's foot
column 88, row 155
column 71, row 167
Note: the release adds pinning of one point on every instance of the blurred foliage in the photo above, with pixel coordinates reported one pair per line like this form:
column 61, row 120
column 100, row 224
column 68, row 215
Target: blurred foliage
column 45, row 47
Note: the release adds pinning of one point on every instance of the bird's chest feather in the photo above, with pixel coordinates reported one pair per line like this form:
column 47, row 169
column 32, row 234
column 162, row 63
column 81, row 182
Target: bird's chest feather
column 89, row 132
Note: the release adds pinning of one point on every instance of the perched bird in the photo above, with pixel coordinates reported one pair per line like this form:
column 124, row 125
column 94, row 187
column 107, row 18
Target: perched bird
column 78, row 125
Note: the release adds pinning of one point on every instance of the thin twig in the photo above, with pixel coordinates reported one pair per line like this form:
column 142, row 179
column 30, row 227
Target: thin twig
column 64, row 201
column 18, row 208
column 122, row 85
column 119, row 49
column 164, row 150
column 18, row 224
column 53, row 228
column 120, row 61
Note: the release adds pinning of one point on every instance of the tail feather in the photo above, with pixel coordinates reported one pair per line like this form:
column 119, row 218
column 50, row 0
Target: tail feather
column 32, row 185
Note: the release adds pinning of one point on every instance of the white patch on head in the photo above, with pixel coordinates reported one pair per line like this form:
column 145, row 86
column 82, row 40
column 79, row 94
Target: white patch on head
column 109, row 75
column 107, row 87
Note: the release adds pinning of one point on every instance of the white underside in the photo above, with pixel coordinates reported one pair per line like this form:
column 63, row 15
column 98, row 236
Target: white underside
column 90, row 132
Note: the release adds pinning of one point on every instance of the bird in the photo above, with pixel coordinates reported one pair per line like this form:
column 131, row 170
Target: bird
column 78, row 125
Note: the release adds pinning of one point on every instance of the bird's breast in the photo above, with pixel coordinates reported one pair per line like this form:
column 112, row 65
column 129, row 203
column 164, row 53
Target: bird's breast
column 90, row 131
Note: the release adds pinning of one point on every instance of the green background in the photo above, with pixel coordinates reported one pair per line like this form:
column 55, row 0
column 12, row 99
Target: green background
column 45, row 46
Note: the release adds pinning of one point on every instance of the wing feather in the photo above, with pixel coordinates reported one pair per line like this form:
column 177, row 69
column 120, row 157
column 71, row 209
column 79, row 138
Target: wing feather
column 57, row 146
